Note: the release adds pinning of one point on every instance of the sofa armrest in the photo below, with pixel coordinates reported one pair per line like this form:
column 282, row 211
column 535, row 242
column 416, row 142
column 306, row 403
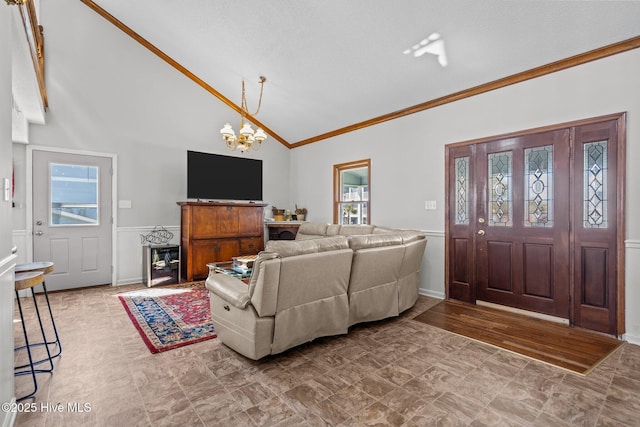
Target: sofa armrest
column 230, row 289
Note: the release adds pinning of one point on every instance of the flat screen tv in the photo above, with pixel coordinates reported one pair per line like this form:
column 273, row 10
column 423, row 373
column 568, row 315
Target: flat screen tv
column 218, row 177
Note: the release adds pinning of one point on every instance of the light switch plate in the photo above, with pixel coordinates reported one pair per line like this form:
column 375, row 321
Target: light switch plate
column 124, row 204
column 7, row 189
column 430, row 205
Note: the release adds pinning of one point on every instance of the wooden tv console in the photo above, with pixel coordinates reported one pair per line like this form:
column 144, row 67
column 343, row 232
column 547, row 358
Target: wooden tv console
column 216, row 232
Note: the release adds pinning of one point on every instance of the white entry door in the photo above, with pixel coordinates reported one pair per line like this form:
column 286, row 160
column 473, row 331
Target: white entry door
column 72, row 218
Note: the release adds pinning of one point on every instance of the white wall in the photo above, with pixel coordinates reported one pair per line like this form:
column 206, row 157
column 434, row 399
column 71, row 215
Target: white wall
column 408, row 169
column 7, row 261
column 109, row 94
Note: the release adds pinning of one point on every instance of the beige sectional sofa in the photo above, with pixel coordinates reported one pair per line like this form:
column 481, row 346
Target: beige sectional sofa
column 329, row 278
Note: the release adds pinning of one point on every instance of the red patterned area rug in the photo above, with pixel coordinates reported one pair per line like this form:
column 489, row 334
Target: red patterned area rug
column 169, row 317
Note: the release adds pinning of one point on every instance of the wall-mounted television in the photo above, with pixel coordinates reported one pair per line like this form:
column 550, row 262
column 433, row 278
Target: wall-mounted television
column 218, row 177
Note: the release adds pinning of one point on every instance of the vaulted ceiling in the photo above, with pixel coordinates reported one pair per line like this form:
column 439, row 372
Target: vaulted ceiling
column 335, row 64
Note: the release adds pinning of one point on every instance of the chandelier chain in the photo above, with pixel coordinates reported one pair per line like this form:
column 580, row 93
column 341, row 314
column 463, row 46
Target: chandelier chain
column 244, row 107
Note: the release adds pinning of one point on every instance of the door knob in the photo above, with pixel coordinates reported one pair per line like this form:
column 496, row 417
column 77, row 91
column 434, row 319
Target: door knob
column 38, row 233
column 481, row 233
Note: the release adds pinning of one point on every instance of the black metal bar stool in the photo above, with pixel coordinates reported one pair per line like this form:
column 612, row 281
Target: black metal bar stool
column 45, row 267
column 28, row 280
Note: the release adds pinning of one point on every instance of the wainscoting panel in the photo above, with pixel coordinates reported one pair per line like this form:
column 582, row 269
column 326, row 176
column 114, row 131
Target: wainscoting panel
column 432, row 273
column 632, row 291
column 129, row 252
column 7, row 394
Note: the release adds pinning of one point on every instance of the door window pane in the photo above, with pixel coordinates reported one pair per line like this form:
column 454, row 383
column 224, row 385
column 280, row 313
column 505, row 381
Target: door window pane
column 462, row 190
column 500, row 193
column 74, row 194
column 538, row 179
column 595, row 185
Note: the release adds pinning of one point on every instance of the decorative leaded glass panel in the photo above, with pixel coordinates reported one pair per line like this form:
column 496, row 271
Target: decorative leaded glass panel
column 500, row 193
column 538, row 191
column 595, row 185
column 462, row 190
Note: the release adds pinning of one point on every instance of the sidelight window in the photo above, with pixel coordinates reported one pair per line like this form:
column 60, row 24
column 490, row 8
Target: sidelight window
column 595, row 185
column 462, row 190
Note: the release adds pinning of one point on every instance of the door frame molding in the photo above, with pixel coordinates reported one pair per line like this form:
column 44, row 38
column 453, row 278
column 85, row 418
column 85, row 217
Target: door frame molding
column 620, row 118
column 114, row 197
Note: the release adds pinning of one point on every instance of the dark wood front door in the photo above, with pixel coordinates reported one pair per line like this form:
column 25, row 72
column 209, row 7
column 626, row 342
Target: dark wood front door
column 532, row 222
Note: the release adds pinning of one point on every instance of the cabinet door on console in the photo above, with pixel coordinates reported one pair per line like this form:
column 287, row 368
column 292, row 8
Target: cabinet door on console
column 206, row 251
column 251, row 221
column 251, row 245
column 214, row 221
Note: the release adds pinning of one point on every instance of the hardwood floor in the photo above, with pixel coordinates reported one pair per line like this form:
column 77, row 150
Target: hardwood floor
column 563, row 346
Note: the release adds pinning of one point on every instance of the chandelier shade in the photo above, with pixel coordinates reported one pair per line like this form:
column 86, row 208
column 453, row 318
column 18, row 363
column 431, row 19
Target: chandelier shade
column 247, row 139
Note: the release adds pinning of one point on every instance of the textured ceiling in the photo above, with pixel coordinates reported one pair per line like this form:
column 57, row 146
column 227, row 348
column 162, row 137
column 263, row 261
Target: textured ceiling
column 334, row 63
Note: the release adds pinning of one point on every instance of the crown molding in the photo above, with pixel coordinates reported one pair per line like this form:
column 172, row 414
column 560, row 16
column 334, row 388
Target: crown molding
column 563, row 64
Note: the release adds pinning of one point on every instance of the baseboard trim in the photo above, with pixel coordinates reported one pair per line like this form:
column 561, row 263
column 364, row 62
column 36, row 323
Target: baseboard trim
column 129, row 281
column 432, row 294
column 631, row 339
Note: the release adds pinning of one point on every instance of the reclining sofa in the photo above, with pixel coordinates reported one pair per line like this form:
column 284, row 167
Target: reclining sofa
column 328, row 279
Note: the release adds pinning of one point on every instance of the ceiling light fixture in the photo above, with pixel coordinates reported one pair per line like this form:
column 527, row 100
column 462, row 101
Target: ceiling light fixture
column 15, row 2
column 247, row 139
column 433, row 45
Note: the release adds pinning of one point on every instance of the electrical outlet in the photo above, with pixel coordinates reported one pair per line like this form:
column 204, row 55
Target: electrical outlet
column 430, row 205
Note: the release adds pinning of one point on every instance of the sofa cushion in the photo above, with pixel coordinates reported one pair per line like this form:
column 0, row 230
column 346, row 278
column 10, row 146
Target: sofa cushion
column 255, row 271
column 229, row 289
column 287, row 248
column 373, row 241
column 355, row 230
column 383, row 230
column 409, row 236
column 313, row 229
column 333, row 229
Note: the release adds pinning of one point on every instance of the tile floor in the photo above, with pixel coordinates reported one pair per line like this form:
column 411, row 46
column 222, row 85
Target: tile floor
column 393, row 372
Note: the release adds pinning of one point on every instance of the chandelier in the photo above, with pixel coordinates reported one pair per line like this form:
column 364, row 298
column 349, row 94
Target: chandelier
column 247, row 139
column 15, row 2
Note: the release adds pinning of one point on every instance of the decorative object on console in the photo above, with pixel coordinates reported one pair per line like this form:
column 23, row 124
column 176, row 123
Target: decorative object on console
column 301, row 213
column 278, row 214
column 247, row 138
column 158, row 236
